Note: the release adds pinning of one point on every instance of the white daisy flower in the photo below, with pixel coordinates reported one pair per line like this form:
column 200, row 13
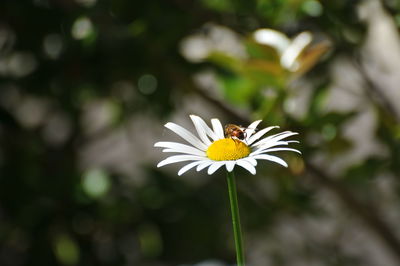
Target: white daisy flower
column 213, row 149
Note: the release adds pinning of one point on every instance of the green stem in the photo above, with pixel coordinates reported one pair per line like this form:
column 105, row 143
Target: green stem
column 235, row 218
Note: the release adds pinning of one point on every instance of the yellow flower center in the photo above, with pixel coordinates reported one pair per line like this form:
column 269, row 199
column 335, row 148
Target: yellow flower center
column 227, row 149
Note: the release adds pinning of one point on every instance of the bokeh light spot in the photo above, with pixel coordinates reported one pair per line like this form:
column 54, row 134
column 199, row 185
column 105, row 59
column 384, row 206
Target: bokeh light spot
column 312, row 8
column 53, row 45
column 96, row 183
column 82, row 28
column 18, row 64
column 147, row 84
column 66, row 250
column 137, row 27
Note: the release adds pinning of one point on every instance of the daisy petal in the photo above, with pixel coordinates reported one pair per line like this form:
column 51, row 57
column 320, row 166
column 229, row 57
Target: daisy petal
column 259, row 134
column 203, row 165
column 206, row 128
column 283, row 135
column 251, row 160
column 230, row 165
column 282, row 149
column 188, row 167
column 179, row 148
column 217, row 127
column 214, row 167
column 271, row 158
column 201, row 130
column 268, row 145
column 179, row 158
column 246, row 165
column 276, row 137
column 186, row 135
column 251, row 128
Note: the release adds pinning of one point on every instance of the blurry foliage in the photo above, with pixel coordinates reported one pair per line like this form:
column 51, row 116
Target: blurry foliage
column 59, row 57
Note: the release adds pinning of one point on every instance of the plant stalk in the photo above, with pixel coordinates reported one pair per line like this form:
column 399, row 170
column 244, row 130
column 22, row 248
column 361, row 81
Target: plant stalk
column 235, row 218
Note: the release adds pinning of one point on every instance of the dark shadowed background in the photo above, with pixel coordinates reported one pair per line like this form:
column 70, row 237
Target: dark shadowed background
column 87, row 85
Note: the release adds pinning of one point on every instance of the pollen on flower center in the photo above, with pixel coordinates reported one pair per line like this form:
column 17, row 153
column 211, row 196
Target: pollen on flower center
column 227, row 149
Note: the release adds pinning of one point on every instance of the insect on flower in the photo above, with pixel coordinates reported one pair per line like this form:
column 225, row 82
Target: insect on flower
column 235, row 131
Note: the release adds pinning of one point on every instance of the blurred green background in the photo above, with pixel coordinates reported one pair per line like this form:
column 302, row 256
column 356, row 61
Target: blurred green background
column 87, row 85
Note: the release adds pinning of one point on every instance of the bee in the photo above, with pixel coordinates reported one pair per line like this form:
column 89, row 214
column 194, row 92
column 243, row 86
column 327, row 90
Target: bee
column 235, row 131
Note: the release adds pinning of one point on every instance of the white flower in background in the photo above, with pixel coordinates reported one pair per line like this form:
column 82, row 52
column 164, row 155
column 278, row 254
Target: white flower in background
column 289, row 50
column 213, row 149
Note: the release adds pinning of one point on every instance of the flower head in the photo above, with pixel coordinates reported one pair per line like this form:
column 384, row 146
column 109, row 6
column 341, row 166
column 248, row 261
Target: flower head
column 213, row 149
